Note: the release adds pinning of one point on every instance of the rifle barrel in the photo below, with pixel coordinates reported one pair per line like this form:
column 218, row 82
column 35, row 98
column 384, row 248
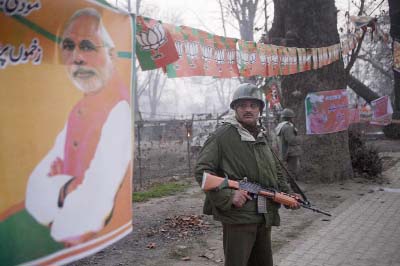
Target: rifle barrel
column 315, row 210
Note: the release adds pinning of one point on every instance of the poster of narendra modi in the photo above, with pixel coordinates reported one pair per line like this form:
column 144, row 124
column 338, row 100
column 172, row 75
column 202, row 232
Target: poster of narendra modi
column 66, row 157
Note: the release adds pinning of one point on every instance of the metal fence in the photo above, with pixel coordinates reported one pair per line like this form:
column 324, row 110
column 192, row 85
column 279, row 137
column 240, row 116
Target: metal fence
column 169, row 148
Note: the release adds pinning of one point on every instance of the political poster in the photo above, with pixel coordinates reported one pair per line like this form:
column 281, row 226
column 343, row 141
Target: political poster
column 381, row 111
column 326, row 112
column 65, row 71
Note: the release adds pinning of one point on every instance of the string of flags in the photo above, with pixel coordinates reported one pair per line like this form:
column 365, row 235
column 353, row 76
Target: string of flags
column 183, row 51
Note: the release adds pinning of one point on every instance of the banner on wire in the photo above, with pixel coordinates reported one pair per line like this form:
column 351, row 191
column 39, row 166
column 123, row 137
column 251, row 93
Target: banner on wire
column 225, row 55
column 66, row 130
column 154, row 46
column 381, row 111
column 326, row 112
column 187, row 43
column 273, row 68
column 249, row 60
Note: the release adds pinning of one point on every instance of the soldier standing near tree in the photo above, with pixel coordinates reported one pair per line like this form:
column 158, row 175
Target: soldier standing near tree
column 290, row 148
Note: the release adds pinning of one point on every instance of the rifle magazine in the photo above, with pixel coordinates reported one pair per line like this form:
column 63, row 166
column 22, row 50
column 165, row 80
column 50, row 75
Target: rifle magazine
column 261, row 204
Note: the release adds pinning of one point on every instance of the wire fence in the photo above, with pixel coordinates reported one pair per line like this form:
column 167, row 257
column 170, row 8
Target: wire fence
column 169, row 148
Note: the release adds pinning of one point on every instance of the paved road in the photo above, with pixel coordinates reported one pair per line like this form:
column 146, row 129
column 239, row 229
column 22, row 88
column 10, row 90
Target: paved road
column 366, row 233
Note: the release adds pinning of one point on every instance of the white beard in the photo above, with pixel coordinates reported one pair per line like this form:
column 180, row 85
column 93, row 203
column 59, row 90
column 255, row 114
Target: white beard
column 93, row 83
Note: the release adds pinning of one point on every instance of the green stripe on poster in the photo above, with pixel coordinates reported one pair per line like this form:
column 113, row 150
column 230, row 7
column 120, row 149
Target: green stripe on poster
column 124, row 54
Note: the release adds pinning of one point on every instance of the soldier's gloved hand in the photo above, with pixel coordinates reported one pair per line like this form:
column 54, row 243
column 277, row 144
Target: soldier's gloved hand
column 239, row 198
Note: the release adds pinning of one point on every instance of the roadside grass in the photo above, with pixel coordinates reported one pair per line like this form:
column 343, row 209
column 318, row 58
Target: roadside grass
column 158, row 191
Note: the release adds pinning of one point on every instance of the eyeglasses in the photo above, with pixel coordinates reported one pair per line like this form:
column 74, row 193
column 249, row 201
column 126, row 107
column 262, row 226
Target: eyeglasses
column 69, row 45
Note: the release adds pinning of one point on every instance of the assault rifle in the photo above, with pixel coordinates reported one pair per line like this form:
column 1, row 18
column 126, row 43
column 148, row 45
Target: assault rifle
column 212, row 182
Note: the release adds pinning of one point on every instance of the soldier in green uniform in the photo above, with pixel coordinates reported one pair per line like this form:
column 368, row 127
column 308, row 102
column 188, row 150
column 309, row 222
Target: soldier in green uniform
column 238, row 149
column 289, row 142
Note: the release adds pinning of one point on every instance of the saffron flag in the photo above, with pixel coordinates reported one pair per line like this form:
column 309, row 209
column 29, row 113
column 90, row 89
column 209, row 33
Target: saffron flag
column 305, row 59
column 302, row 58
column 322, row 57
column 283, row 60
column 326, row 112
column 154, row 45
column 293, row 64
column 315, row 59
column 225, row 57
column 208, row 53
column 272, row 60
column 249, row 60
column 187, row 43
column 66, row 177
column 262, row 50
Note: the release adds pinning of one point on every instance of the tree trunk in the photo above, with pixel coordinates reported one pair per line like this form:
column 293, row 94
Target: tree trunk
column 394, row 13
column 312, row 23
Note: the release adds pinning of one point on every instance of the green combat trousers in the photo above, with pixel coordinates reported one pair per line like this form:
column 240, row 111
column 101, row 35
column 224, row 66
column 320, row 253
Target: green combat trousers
column 247, row 245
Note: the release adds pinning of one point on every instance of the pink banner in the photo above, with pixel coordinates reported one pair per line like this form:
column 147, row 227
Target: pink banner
column 381, row 111
column 326, row 112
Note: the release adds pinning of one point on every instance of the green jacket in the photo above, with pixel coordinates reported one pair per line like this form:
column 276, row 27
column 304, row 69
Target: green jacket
column 231, row 150
column 289, row 141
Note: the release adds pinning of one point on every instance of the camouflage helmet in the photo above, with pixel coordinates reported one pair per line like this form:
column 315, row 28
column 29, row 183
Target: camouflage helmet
column 287, row 113
column 247, row 91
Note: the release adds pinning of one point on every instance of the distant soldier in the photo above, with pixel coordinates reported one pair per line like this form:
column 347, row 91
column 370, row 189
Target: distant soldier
column 290, row 148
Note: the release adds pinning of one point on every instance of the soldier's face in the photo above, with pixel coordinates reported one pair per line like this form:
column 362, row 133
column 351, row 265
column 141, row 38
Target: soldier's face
column 247, row 112
column 87, row 60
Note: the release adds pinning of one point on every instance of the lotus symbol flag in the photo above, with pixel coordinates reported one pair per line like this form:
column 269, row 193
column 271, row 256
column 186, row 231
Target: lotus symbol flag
column 192, row 50
column 152, row 39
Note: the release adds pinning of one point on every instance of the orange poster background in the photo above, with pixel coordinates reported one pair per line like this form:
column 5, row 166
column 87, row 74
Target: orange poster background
column 326, row 112
column 35, row 99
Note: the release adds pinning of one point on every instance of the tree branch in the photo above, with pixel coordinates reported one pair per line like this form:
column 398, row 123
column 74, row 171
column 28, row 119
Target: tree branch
column 376, row 65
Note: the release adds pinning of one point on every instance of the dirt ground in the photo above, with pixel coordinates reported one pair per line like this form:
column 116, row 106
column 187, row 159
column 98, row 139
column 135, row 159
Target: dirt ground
column 172, row 230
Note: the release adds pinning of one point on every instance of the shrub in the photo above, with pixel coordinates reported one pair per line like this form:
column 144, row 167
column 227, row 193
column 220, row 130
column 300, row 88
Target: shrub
column 365, row 160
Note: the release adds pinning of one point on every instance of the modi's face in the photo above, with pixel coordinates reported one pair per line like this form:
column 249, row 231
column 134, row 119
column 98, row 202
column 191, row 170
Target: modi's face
column 87, row 59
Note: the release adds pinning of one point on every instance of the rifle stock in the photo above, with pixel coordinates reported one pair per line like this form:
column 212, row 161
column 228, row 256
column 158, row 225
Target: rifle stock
column 213, row 182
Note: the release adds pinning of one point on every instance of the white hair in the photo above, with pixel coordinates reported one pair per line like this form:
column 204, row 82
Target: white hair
column 91, row 12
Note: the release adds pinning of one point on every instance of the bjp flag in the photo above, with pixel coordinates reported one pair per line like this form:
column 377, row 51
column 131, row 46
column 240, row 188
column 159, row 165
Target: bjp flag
column 208, row 53
column 225, row 57
column 272, row 60
column 154, row 45
column 187, row 44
